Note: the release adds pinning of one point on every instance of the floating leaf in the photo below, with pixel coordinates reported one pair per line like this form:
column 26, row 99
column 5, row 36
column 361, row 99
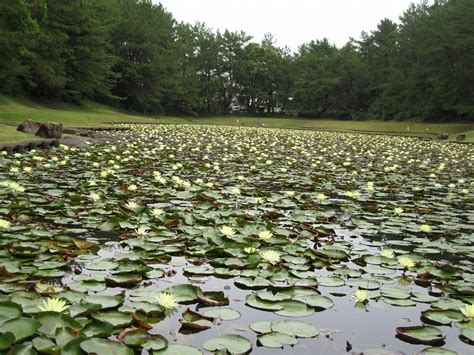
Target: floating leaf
column 234, row 344
column 421, row 335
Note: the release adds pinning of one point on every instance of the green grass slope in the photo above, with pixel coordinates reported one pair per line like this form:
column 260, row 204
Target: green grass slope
column 14, row 111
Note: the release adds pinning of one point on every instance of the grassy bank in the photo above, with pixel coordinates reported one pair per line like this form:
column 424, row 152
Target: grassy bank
column 13, row 111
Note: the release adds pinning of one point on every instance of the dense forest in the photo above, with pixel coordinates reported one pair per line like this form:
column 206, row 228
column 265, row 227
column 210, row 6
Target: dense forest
column 134, row 54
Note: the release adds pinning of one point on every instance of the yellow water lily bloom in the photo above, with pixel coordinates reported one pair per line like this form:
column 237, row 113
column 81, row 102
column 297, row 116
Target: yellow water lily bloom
column 156, row 212
column 54, row 305
column 321, row 197
column 425, row 228
column 258, row 200
column 265, row 235
column 142, row 231
column 406, row 262
column 227, row 231
column 4, row 224
column 387, row 253
column 468, row 310
column 250, row 250
column 94, row 196
column 361, row 296
column 131, row 205
column 166, row 300
column 271, row 256
column 398, row 210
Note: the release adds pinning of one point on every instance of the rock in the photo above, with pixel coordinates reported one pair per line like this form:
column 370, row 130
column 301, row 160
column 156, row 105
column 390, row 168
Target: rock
column 460, row 137
column 50, row 130
column 443, row 136
column 29, row 126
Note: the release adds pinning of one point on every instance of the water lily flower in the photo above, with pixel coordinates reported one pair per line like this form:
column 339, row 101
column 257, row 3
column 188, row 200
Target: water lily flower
column 131, row 205
column 271, row 256
column 142, row 231
column 258, row 200
column 321, row 197
column 166, row 300
column 425, row 228
column 265, row 235
column 227, row 231
column 398, row 211
column 4, row 224
column 468, row 310
column 406, row 262
column 387, row 253
column 370, row 186
column 156, row 212
column 132, row 187
column 54, row 305
column 94, row 196
column 250, row 250
column 361, row 296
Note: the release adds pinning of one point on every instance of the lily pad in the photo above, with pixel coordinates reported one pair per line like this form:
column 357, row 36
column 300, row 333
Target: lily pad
column 234, row 344
column 427, row 335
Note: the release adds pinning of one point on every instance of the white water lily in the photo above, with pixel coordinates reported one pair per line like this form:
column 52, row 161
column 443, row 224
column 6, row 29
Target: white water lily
column 4, row 224
column 54, row 305
column 406, row 262
column 132, row 187
column 94, row 196
column 250, row 250
column 468, row 310
column 227, row 231
column 265, row 235
column 398, row 211
column 131, row 205
column 321, row 197
column 258, row 200
column 425, row 228
column 166, row 300
column 156, row 212
column 271, row 256
column 370, row 186
column 361, row 296
column 142, row 231
column 387, row 253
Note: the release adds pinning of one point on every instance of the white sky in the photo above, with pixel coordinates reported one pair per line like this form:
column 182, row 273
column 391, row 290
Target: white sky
column 292, row 22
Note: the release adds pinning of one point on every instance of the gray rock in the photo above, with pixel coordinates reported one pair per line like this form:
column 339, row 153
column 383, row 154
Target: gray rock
column 29, row 126
column 50, row 130
column 443, row 136
column 460, row 137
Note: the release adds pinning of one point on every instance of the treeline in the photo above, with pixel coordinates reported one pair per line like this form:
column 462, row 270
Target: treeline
column 133, row 54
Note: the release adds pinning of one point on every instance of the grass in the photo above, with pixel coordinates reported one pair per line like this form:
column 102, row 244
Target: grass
column 14, row 111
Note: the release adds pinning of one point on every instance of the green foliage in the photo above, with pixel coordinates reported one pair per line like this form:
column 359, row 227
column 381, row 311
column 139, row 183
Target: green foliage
column 133, row 54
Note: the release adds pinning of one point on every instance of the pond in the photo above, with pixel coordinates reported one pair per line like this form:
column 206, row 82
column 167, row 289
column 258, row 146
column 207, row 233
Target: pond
column 197, row 239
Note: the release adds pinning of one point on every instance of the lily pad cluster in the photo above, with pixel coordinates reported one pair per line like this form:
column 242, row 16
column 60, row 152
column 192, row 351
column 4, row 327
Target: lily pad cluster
column 102, row 244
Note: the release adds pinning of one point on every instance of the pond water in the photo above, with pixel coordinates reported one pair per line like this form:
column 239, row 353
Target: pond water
column 278, row 225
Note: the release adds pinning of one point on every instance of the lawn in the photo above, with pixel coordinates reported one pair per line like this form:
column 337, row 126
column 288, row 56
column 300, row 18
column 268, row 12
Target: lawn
column 14, row 111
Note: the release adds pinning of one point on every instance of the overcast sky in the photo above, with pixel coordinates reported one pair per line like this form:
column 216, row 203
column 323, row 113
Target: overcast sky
column 292, row 22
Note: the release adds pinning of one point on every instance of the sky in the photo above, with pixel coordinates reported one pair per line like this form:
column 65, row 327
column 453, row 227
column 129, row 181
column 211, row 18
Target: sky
column 292, row 22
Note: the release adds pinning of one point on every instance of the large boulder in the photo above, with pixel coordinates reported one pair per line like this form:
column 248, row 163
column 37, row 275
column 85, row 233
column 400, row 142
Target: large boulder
column 50, row 130
column 29, row 126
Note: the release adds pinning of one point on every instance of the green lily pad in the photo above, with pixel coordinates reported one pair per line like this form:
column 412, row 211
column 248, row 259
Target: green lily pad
column 296, row 328
column 294, row 309
column 442, row 316
column 234, row 344
column 22, row 328
column 427, row 335
column 105, row 347
column 276, row 340
column 176, row 349
column 223, row 313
